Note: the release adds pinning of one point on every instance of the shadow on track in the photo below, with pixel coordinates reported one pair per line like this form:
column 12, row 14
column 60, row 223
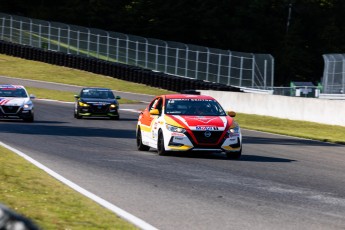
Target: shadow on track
column 51, row 130
column 220, row 156
column 284, row 141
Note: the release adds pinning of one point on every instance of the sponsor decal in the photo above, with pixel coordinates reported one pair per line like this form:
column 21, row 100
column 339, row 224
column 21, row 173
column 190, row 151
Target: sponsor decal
column 212, row 128
column 177, row 134
column 10, row 87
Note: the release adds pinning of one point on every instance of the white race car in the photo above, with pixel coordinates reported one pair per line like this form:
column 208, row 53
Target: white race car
column 183, row 122
column 15, row 102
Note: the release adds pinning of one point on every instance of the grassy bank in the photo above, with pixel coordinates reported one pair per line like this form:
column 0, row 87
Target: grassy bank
column 49, row 203
column 27, row 69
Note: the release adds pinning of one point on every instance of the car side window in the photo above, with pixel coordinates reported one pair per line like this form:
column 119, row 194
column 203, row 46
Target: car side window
column 157, row 104
column 153, row 104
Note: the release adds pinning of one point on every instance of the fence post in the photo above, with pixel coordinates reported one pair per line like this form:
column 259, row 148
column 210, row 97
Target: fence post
column 108, row 44
column 40, row 35
column 229, row 69
column 197, row 64
column 49, row 32
column 88, row 41
column 20, row 32
column 343, row 78
column 30, row 33
column 146, row 52
column 265, row 74
column 136, row 53
column 59, row 35
column 207, row 62
column 253, row 70
column 97, row 49
column 166, row 57
column 68, row 38
column 117, row 48
column 241, row 72
column 272, row 72
column 3, row 28
column 78, row 41
column 157, row 57
column 219, row 66
column 127, row 45
column 176, row 60
column 11, row 27
column 186, row 65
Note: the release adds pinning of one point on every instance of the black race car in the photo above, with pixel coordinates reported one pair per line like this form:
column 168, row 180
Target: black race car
column 98, row 102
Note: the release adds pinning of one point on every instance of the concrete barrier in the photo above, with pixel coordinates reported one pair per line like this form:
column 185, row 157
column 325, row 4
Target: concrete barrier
column 318, row 110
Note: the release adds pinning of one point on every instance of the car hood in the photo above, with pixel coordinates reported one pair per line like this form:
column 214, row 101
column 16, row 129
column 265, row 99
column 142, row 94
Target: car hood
column 10, row 101
column 98, row 100
column 199, row 123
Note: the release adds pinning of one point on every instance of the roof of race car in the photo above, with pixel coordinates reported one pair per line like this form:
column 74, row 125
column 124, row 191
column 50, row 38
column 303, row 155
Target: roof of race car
column 187, row 96
column 11, row 87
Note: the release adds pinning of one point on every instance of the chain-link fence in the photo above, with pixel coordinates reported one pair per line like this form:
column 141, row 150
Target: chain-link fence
column 333, row 80
column 185, row 60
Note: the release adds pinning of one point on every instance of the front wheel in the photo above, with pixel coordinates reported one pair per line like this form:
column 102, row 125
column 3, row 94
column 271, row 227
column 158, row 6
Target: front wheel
column 29, row 119
column 76, row 115
column 140, row 145
column 234, row 155
column 160, row 145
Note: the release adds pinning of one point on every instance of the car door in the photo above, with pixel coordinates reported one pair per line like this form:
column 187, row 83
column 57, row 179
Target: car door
column 157, row 120
column 148, row 122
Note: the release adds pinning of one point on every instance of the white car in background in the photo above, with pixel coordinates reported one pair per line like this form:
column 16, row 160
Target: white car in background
column 15, row 102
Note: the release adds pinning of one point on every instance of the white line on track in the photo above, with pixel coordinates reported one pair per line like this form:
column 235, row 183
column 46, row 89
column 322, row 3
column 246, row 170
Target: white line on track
column 120, row 212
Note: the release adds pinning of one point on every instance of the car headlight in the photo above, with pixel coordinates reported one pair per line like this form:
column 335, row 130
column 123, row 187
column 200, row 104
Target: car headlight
column 235, row 128
column 113, row 106
column 27, row 106
column 83, row 104
column 175, row 129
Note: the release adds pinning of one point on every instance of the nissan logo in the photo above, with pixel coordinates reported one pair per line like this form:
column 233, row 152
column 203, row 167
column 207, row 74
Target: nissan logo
column 207, row 134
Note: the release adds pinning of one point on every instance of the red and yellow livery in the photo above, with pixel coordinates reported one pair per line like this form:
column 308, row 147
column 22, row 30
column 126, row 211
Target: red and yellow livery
column 183, row 122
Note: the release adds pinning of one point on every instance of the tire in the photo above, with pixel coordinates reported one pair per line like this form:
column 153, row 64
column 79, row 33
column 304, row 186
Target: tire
column 160, row 145
column 115, row 118
column 234, row 155
column 29, row 119
column 76, row 115
column 140, row 145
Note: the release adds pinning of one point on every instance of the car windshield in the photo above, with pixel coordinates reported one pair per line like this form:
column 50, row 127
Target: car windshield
column 12, row 92
column 97, row 93
column 194, row 107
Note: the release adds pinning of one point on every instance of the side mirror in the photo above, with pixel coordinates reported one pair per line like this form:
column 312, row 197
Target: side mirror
column 117, row 97
column 231, row 113
column 154, row 112
column 77, row 96
column 32, row 96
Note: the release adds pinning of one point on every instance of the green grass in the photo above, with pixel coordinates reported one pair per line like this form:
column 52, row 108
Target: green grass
column 50, row 204
column 27, row 69
column 303, row 129
column 63, row 95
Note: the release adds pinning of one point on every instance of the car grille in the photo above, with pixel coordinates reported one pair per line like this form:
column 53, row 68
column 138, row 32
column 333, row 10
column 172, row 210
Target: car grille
column 99, row 108
column 204, row 139
column 10, row 109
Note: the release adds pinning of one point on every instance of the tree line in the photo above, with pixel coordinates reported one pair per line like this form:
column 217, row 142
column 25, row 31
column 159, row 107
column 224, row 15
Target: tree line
column 296, row 32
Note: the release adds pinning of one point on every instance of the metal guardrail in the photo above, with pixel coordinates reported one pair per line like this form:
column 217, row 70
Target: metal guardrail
column 185, row 60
